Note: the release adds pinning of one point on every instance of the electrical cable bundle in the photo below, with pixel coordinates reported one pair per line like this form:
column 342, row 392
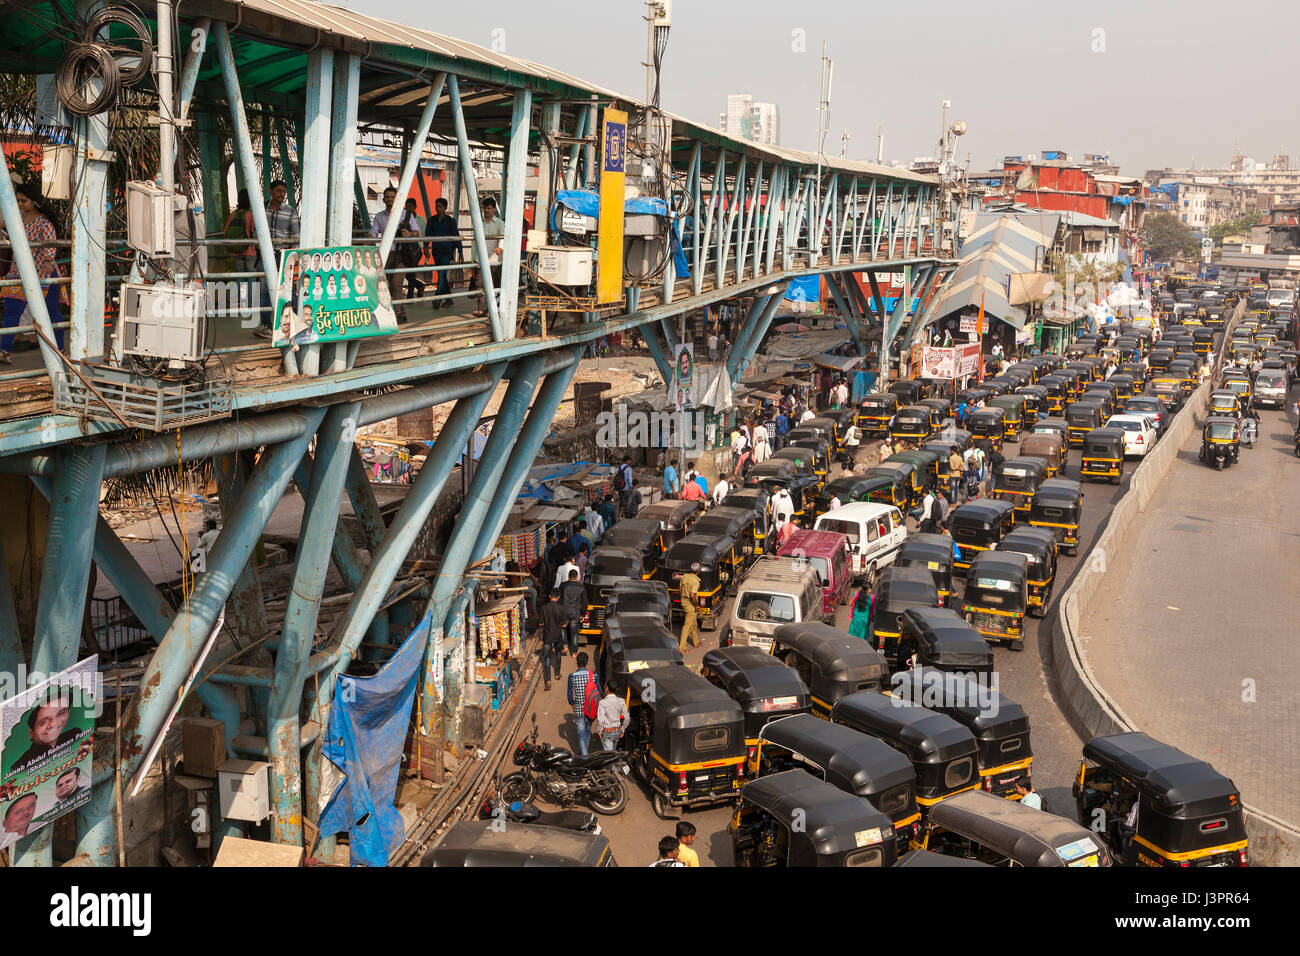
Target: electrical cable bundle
column 91, row 59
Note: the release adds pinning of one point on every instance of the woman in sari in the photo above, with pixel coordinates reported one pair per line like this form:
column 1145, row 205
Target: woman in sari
column 39, row 226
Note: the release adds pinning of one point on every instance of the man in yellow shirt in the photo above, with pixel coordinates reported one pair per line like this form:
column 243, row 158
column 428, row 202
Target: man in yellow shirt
column 685, row 837
column 689, row 589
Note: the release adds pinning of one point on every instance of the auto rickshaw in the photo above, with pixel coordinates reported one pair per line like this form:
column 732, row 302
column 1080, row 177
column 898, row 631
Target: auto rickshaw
column 948, row 439
column 778, row 473
column 999, row 832
column 932, row 553
column 1102, row 394
column 842, row 418
column 737, row 524
column 1016, row 480
column 1054, row 426
column 1081, row 418
column 641, row 598
column 1202, row 340
column 1136, row 371
column 1224, row 403
column 942, row 641
column 911, row 423
column 989, row 423
column 606, row 568
column 976, row 526
column 710, row 557
column 754, row 500
column 932, row 465
column 1185, row 371
column 486, row 843
column 1047, row 448
column 1035, row 399
column 1220, row 442
column 997, row 596
column 642, row 535
column 629, row 644
column 912, row 478
column 1103, row 454
column 793, row 819
column 1169, row 391
column 818, row 450
column 910, row 391
column 855, row 762
column 875, row 412
column 940, row 411
column 831, row 662
column 1000, row 725
column 1125, row 387
column 675, row 519
column 1188, row 814
column 943, row 752
column 898, row 589
column 1057, row 506
column 687, row 742
column 1240, row 383
column 764, row 688
column 847, row 488
column 1040, row 547
column 888, row 487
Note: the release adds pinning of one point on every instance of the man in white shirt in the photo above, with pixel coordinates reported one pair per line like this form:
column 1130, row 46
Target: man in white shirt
column 494, row 230
column 562, row 573
column 835, row 503
column 782, row 508
column 405, row 227
column 595, row 524
column 760, row 431
column 721, row 490
column 762, row 450
column 808, row 415
column 713, row 346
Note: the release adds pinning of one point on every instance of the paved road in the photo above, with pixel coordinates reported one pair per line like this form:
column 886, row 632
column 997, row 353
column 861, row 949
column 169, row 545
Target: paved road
column 1023, row 676
column 1200, row 611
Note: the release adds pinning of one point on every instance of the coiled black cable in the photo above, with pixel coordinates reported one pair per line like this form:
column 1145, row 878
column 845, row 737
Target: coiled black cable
column 82, row 64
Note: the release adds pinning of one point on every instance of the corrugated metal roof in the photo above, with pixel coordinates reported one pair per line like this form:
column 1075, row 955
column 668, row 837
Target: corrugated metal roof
column 1000, row 245
column 349, row 24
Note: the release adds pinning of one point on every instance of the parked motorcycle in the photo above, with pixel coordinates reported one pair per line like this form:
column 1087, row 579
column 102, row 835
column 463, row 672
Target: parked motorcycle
column 494, row 808
column 599, row 779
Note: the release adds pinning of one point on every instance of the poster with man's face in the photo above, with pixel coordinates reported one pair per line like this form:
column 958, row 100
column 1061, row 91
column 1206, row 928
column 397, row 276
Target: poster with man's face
column 684, row 372
column 46, row 742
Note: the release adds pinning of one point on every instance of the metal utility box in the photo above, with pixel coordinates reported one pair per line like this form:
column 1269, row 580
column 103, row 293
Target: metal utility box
column 243, row 790
column 150, row 224
column 161, row 321
column 204, row 743
column 565, row 265
column 642, row 224
column 576, row 223
column 478, row 712
column 56, row 172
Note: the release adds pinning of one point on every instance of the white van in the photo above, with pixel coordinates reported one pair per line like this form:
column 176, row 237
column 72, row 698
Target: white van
column 875, row 532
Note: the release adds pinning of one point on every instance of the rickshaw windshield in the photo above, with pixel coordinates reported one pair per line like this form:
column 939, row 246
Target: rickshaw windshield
column 1223, row 432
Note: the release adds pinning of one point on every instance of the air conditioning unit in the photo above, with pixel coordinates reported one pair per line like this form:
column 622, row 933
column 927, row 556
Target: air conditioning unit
column 161, row 321
column 150, row 227
column 565, row 265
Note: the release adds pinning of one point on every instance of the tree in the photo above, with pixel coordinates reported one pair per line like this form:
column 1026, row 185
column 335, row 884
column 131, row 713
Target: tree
column 1165, row 236
column 1234, row 227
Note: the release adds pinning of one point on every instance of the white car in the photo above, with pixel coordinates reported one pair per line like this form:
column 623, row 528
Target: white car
column 1270, row 387
column 1139, row 433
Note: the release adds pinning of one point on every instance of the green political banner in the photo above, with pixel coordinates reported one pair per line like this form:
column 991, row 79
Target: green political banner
column 331, row 295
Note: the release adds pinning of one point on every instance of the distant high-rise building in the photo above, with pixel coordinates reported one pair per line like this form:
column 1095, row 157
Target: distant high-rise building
column 757, row 122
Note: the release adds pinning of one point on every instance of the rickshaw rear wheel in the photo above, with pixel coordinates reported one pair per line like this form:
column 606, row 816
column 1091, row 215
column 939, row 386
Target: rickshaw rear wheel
column 662, row 808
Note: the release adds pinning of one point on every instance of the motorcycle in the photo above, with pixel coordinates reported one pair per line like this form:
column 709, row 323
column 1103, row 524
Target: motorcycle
column 494, row 808
column 598, row 779
column 1249, row 432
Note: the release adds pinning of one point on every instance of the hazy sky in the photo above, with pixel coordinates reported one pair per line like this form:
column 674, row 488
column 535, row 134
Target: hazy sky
column 1171, row 83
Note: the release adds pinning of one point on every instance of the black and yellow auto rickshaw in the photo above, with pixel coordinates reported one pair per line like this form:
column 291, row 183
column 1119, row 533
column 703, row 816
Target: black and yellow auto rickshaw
column 1220, row 442
column 1000, row 725
column 1125, row 386
column 1054, row 426
column 1013, row 422
column 910, row 423
column 1057, row 507
column 631, row 643
column 1185, row 371
column 1040, row 547
column 1081, row 418
column 875, row 412
column 988, row 423
column 980, row 826
column 756, row 501
column 641, row 535
column 912, row 479
column 816, row 449
column 942, row 751
column 948, row 439
column 898, row 589
column 804, row 478
column 997, row 597
column 940, row 411
column 1187, row 813
column 843, row 418
column 932, row 465
column 1136, row 371
column 675, row 519
column 976, row 526
column 1169, row 391
column 1103, row 394
column 606, row 568
column 1202, row 340
column 1240, row 383
column 943, row 641
column 909, row 391
column 1047, row 448
column 792, row 819
column 1057, row 397
column 843, row 757
column 847, row 488
column 709, row 556
column 888, row 488
column 1016, row 480
column 932, row 553
column 641, row 598
column 1035, row 403
column 830, row 428
column 1103, row 454
column 764, row 687
column 688, row 740
column 831, row 662
column 1224, row 403
column 737, row 524
column 485, row 843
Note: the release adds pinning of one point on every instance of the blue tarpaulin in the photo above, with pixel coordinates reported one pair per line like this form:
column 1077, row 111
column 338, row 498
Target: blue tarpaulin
column 586, row 202
column 864, row 383
column 805, row 289
column 533, row 486
column 367, row 726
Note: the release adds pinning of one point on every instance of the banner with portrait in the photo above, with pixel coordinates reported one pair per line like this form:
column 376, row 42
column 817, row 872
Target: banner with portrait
column 946, row 363
column 331, row 295
column 46, row 743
